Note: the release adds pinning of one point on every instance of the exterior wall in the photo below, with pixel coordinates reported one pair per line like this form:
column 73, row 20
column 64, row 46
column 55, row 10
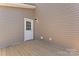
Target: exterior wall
column 12, row 24
column 60, row 22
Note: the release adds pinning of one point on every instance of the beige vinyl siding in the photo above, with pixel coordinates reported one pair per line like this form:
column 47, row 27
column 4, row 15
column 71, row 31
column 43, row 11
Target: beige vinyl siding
column 60, row 22
column 12, row 24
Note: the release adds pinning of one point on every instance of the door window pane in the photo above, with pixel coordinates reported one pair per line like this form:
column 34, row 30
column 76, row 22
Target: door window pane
column 28, row 25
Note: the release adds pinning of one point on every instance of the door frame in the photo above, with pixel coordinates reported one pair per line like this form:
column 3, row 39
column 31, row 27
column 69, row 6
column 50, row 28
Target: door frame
column 25, row 19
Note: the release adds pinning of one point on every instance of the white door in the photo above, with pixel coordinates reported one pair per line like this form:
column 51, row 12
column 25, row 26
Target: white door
column 28, row 29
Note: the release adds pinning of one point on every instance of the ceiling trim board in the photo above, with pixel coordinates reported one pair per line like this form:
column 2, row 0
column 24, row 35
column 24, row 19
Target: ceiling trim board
column 18, row 5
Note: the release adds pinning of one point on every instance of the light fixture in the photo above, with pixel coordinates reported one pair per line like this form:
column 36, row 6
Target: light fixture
column 37, row 20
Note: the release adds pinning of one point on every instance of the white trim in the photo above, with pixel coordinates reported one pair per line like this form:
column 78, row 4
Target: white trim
column 19, row 5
